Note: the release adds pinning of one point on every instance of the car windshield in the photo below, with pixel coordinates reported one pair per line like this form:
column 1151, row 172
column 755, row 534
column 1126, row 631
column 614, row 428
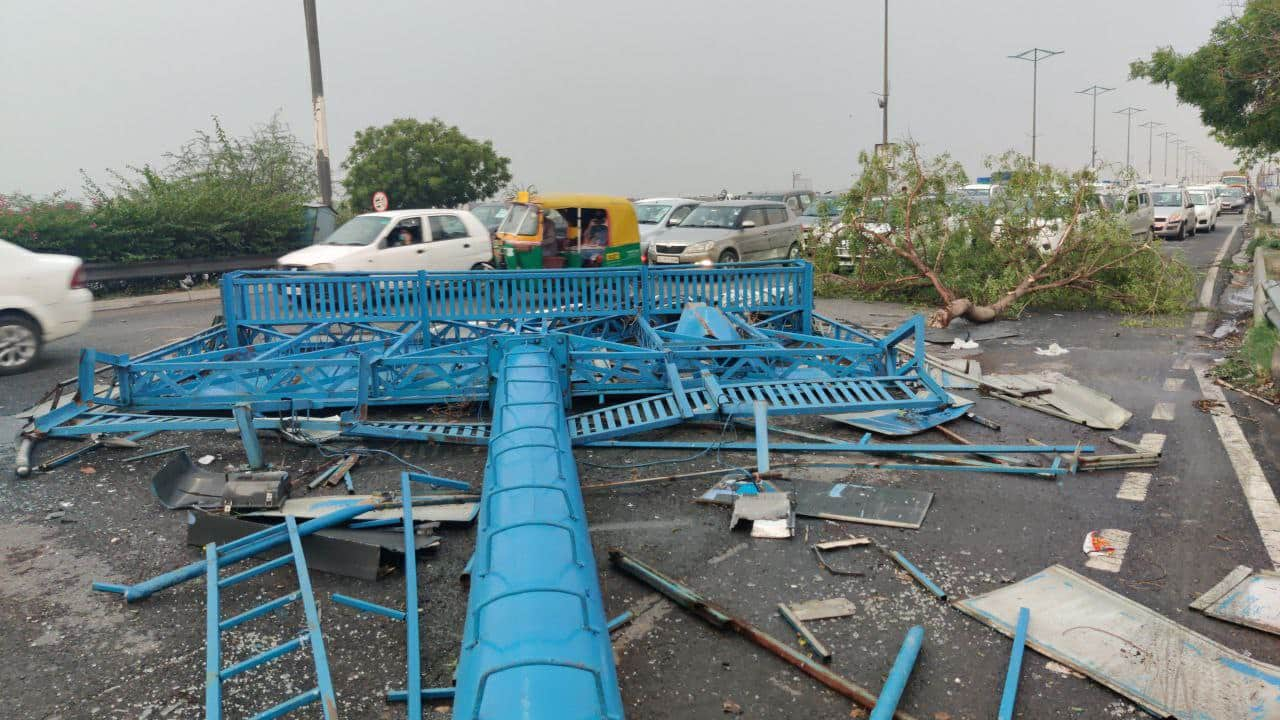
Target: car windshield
column 713, row 216
column 760, row 196
column 1234, row 192
column 361, row 230
column 1235, row 179
column 490, row 214
column 650, row 213
column 1167, row 199
column 824, row 207
column 1200, row 198
column 520, row 220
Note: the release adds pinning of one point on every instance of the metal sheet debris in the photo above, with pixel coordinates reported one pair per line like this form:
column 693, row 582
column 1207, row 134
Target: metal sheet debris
column 362, row 554
column 1155, row 662
column 769, row 514
column 871, row 505
column 1245, row 597
column 180, row 484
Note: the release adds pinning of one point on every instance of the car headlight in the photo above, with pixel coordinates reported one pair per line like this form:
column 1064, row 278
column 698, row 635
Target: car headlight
column 321, row 266
column 699, row 247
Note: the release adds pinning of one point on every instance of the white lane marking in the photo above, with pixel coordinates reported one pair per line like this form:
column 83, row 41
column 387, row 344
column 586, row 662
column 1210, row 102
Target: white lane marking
column 727, row 554
column 1257, row 491
column 1174, row 384
column 1134, row 487
column 648, row 610
column 1162, row 411
column 1152, row 442
column 1119, row 539
column 1182, row 362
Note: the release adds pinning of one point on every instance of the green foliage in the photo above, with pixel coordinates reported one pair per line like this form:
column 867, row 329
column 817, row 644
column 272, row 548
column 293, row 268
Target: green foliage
column 1044, row 239
column 420, row 165
column 1251, row 363
column 1234, row 79
column 219, row 196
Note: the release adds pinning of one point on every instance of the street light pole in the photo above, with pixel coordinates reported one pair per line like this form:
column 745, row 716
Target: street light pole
column 1166, row 135
column 1095, row 91
column 1151, row 126
column 884, row 97
column 1177, row 157
column 317, row 104
column 1128, row 131
column 1034, row 56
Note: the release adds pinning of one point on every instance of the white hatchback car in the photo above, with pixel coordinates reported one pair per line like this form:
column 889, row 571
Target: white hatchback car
column 400, row 240
column 42, row 298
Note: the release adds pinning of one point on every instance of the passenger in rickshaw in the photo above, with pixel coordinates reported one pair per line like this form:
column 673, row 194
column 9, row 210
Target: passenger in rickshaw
column 595, row 239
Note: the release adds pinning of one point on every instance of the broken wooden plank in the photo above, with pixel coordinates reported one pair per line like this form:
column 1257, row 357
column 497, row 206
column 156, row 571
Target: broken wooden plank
column 822, row 609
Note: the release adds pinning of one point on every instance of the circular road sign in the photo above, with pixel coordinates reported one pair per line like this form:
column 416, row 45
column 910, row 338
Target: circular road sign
column 380, row 202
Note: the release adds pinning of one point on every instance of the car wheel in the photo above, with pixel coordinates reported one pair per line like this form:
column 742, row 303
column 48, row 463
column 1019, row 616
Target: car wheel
column 482, row 266
column 794, row 252
column 19, row 344
column 728, row 256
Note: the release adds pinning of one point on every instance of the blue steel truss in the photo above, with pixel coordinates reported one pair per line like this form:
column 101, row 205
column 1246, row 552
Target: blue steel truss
column 655, row 347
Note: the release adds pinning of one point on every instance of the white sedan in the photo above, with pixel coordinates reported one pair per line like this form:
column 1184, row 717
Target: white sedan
column 42, row 298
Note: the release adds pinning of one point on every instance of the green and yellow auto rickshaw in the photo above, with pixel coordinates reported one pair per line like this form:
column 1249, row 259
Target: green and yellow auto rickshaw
column 569, row 231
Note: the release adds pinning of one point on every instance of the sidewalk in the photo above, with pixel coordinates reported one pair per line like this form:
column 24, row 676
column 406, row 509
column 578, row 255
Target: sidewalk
column 122, row 303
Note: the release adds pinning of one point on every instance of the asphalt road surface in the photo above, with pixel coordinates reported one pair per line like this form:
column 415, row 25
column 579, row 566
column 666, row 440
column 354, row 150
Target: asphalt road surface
column 71, row 653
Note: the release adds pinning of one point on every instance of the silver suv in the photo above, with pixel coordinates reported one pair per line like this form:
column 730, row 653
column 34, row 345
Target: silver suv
column 729, row 231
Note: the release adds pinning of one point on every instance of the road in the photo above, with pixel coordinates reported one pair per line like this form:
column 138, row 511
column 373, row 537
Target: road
column 75, row 654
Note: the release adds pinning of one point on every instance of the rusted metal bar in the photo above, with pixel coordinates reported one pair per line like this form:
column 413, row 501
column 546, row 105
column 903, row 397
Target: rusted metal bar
column 698, row 605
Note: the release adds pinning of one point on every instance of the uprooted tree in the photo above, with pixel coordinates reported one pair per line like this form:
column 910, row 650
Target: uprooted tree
column 1046, row 236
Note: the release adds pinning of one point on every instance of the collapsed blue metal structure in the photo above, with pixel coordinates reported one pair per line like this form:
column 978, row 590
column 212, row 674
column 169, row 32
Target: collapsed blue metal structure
column 651, row 347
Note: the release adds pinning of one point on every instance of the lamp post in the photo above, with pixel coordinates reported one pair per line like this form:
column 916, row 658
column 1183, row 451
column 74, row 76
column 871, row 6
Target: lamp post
column 317, row 103
column 1151, row 126
column 1095, row 91
column 1034, row 56
column 1177, row 158
column 1128, row 131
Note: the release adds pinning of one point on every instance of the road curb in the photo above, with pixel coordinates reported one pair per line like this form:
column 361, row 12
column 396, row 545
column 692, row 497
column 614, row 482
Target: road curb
column 125, row 303
column 1215, row 280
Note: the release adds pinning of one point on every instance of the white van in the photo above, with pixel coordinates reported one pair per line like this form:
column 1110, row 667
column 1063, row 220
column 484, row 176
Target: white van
column 400, row 240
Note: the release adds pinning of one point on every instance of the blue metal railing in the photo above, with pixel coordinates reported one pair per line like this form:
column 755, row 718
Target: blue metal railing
column 281, row 298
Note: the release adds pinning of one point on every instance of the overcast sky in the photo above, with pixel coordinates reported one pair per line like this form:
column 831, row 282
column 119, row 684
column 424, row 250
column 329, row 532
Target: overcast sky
column 629, row 98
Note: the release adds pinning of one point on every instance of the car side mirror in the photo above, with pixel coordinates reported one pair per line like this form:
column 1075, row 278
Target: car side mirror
column 747, row 224
column 674, row 221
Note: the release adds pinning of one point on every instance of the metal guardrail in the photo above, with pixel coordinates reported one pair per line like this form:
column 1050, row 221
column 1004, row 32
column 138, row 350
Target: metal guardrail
column 108, row 272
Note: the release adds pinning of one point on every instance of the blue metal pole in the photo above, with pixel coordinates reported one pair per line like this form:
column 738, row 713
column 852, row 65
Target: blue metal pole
column 887, row 703
column 1010, row 696
column 413, row 647
column 243, row 413
column 920, row 577
column 324, row 682
column 213, row 638
column 366, row 606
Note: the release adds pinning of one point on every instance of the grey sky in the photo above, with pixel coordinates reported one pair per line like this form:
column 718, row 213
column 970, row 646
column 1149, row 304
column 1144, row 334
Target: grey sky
column 627, row 98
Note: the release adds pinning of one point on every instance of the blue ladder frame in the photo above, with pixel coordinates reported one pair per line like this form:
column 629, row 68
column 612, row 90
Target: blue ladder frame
column 215, row 625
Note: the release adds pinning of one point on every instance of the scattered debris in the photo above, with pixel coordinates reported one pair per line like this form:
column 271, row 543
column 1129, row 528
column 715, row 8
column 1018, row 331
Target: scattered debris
column 1153, row 661
column 1096, row 544
column 808, row 640
column 731, row 708
column 916, row 574
column 1053, row 350
column 1245, row 597
column 1212, row 407
column 708, row 611
column 771, row 514
column 155, row 453
column 446, row 508
column 822, row 609
column 255, row 490
column 205, row 459
column 1063, row 670
column 180, row 484
column 960, row 344
column 867, row 504
column 818, row 548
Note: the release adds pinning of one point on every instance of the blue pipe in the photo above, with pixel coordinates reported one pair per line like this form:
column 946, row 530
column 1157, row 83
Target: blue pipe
column 1010, row 695
column 535, row 643
column 887, row 703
